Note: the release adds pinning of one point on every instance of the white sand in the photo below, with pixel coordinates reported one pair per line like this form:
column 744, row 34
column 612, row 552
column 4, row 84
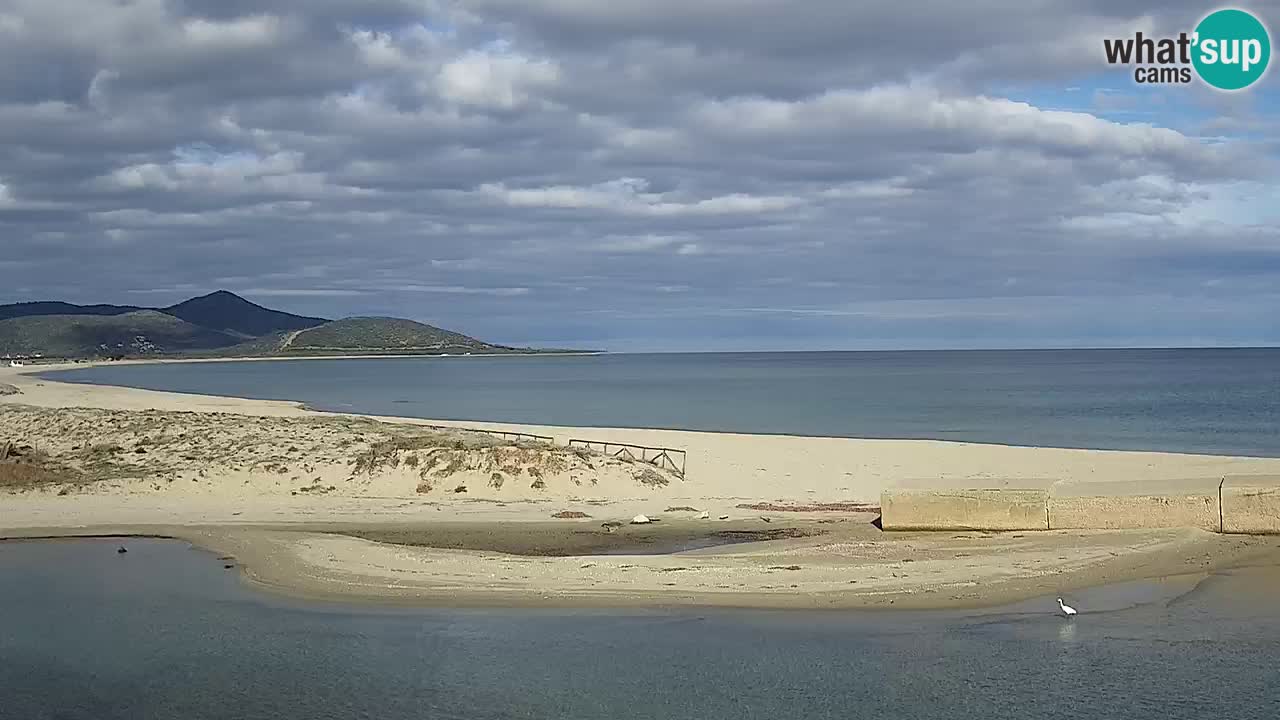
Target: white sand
column 730, row 467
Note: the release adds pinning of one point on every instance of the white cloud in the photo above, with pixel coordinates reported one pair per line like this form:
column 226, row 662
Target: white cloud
column 495, row 79
column 900, row 113
column 630, row 196
column 461, row 290
column 237, row 34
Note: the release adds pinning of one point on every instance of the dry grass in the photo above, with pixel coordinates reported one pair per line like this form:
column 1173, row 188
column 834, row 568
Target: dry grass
column 391, row 452
column 26, row 467
column 86, row 445
column 652, row 478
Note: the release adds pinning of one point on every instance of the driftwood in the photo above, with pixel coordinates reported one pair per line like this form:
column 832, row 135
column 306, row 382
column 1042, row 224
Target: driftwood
column 4, row 450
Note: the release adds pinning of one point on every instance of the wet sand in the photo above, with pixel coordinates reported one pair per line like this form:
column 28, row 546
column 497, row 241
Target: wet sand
column 849, row 565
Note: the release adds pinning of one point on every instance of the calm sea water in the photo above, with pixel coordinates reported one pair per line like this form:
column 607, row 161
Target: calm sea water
column 165, row 633
column 1212, row 401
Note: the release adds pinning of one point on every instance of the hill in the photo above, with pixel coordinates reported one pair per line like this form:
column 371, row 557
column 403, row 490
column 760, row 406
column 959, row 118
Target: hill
column 219, row 324
column 30, row 309
column 362, row 333
column 368, row 335
column 232, row 314
column 143, row 332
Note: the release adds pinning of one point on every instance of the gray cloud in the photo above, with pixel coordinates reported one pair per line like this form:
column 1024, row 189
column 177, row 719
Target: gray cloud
column 662, row 174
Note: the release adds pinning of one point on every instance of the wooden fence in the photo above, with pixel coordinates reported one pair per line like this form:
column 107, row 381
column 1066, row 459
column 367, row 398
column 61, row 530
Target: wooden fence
column 671, row 459
column 504, row 434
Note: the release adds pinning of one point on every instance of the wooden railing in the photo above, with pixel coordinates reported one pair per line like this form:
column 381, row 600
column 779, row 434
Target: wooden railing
column 671, row 459
column 504, row 434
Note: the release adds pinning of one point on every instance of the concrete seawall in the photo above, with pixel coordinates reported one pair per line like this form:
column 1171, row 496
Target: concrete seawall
column 964, row 510
column 1189, row 502
column 1251, row 504
column 1248, row 504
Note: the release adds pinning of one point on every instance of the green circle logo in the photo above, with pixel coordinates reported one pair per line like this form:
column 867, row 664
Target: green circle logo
column 1232, row 49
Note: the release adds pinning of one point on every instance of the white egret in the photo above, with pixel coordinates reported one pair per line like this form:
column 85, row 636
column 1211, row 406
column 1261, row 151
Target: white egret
column 1066, row 609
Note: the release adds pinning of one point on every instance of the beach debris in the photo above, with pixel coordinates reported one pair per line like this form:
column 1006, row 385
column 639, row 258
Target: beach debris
column 610, row 525
column 640, row 520
column 682, row 508
column 724, row 517
column 782, row 533
column 121, row 550
column 460, row 489
column 570, row 515
column 810, row 507
column 765, row 519
column 227, row 566
column 704, row 515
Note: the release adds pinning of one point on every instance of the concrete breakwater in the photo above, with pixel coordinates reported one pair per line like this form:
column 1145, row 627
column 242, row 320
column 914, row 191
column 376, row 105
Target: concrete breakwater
column 1241, row 504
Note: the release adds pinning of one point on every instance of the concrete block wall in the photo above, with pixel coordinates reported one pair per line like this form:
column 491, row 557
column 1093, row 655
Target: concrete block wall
column 979, row 509
column 1248, row 504
column 1251, row 504
column 1189, row 502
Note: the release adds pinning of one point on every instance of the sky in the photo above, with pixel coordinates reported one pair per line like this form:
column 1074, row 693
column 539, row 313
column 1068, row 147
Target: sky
column 658, row 175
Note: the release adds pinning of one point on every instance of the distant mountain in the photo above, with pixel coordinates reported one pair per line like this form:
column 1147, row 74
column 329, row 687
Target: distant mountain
column 29, row 309
column 234, row 315
column 218, row 324
column 143, row 332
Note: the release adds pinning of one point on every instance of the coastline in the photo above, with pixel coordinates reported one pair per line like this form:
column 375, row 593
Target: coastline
column 290, row 563
column 286, row 543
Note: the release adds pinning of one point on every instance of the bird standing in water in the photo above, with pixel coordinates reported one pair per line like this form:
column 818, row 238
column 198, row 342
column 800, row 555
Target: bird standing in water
column 1066, row 609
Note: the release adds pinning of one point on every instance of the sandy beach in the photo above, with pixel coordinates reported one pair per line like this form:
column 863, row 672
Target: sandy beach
column 389, row 509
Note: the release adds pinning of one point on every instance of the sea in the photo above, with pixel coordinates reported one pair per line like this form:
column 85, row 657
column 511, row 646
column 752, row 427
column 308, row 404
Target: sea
column 1216, row 401
column 166, row 632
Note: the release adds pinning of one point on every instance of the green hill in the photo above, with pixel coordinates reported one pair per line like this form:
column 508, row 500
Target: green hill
column 143, row 332
column 28, row 309
column 382, row 334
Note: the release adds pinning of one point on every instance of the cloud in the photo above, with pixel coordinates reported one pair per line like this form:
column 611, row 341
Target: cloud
column 630, row 196
column 498, row 80
column 568, row 169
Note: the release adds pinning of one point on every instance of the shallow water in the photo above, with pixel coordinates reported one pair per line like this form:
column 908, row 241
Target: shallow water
column 165, row 632
column 1223, row 401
